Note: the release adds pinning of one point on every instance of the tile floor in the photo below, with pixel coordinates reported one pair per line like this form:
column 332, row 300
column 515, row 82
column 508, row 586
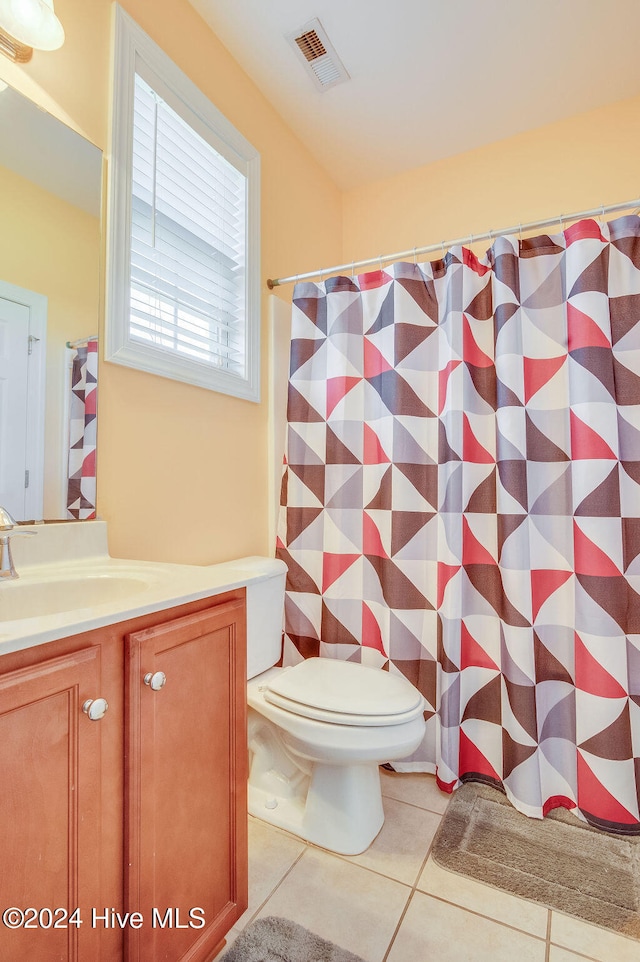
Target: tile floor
column 394, row 904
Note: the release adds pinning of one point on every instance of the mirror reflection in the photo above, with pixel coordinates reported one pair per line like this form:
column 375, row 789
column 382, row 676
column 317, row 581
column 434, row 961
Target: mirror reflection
column 50, row 197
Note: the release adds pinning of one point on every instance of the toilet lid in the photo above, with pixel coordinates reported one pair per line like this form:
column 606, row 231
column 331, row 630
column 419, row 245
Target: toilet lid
column 344, row 693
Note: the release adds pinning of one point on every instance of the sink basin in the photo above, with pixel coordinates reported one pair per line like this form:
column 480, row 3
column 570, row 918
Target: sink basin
column 33, row 599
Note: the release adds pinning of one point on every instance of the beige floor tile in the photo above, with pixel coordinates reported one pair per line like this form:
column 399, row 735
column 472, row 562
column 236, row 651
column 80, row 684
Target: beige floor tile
column 403, row 842
column 416, row 788
column 337, row 900
column 563, row 955
column 601, row 944
column 271, row 855
column 484, row 899
column 434, row 930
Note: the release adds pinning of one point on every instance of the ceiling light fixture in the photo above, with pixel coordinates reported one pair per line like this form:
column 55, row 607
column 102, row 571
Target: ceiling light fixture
column 27, row 25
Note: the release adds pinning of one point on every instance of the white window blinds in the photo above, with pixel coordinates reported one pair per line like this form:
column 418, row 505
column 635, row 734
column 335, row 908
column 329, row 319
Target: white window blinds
column 188, row 243
column 183, row 291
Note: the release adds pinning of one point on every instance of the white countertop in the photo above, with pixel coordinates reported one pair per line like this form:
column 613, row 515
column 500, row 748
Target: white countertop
column 64, row 559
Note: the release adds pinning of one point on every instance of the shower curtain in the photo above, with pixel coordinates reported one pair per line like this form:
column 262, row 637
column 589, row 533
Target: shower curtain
column 81, row 489
column 461, row 504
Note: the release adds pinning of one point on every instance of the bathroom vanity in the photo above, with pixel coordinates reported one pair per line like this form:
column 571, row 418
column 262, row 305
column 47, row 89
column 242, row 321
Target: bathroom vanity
column 123, row 758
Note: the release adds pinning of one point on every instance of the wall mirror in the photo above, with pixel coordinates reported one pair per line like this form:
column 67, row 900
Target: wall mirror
column 50, row 198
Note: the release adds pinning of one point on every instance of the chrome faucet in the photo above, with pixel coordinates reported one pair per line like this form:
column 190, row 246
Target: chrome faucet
column 7, row 525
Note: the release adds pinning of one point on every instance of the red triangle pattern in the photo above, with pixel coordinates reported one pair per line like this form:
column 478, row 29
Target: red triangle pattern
column 337, row 389
column 591, row 676
column 371, row 634
column 335, row 565
column 470, row 350
column 469, row 259
column 543, row 584
column 372, row 452
column 371, row 540
column 443, row 380
column 583, row 230
column 582, row 331
column 589, row 559
column 474, row 553
column 374, row 362
column 586, row 444
column 472, row 450
column 594, row 798
column 445, row 574
column 473, row 655
column 471, row 759
column 89, row 465
column 538, row 372
column 372, row 280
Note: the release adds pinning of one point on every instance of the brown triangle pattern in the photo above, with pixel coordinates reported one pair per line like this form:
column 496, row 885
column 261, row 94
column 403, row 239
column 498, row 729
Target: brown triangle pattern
column 613, row 742
column 603, row 501
column 624, row 312
column 483, row 499
column 405, row 526
column 302, row 350
column 408, row 337
column 548, row 667
column 382, row 500
column 424, row 294
column 595, row 277
column 485, row 703
column 514, row 753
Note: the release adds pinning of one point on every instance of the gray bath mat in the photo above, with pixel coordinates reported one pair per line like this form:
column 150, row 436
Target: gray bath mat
column 557, row 861
column 274, row 939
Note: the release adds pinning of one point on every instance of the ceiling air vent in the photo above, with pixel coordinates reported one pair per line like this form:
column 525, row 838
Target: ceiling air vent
column 318, row 55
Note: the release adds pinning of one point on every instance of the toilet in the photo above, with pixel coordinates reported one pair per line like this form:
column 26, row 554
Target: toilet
column 317, row 731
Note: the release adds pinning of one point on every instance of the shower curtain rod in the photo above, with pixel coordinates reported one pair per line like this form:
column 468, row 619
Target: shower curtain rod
column 472, row 238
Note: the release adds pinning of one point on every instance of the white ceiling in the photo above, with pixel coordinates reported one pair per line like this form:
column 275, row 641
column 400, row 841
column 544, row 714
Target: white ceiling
column 432, row 78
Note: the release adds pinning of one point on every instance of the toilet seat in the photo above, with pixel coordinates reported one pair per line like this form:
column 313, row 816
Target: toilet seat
column 344, row 693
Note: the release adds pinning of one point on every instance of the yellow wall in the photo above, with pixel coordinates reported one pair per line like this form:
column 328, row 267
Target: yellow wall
column 183, row 472
column 51, row 247
column 573, row 165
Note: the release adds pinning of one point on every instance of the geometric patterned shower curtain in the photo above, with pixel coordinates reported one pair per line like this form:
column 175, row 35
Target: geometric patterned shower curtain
column 83, row 422
column 461, row 504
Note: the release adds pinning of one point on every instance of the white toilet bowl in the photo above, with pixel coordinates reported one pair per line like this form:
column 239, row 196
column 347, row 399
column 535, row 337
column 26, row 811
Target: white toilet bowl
column 317, row 734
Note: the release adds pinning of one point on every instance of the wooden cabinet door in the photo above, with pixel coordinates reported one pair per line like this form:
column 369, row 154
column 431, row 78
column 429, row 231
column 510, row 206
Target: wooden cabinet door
column 186, row 777
column 50, row 850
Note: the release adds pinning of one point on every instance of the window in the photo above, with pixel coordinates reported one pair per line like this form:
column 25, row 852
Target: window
column 183, row 251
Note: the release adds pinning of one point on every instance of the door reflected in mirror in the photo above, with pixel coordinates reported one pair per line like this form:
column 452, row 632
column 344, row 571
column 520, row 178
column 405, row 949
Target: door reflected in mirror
column 50, row 197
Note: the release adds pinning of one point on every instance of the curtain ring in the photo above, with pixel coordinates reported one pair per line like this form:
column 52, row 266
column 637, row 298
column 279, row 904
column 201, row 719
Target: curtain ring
column 380, row 259
column 561, row 223
column 444, row 253
column 490, row 236
column 353, row 267
column 470, row 239
column 415, row 257
column 520, row 232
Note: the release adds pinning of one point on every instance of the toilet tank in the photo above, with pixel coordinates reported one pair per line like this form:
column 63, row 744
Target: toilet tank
column 265, row 610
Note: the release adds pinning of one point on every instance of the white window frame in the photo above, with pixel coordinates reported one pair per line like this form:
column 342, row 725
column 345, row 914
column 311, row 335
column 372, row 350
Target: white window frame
column 135, row 52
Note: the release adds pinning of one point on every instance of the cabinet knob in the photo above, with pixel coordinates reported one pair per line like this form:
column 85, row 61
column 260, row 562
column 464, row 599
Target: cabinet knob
column 155, row 680
column 95, row 708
